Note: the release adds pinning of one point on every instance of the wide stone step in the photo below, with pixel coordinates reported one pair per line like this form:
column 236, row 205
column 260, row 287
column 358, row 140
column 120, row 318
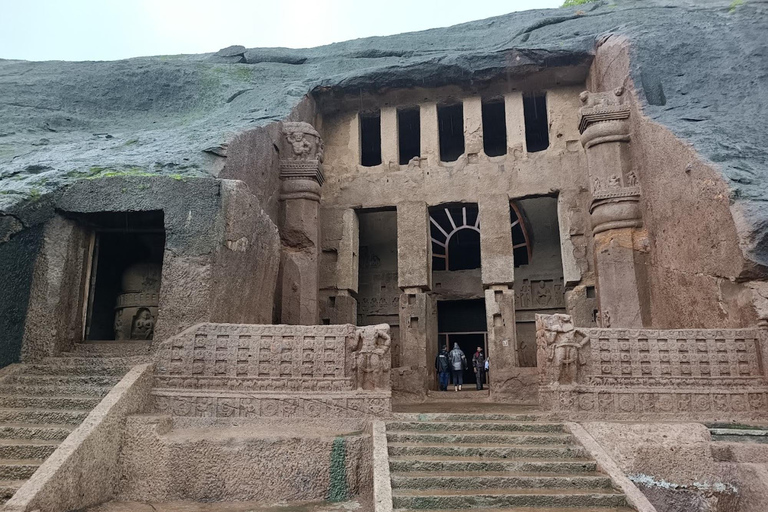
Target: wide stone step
column 49, row 402
column 459, row 464
column 497, row 480
column 64, row 380
column 739, row 435
column 33, row 431
column 49, row 390
column 18, row 469
column 490, row 437
column 495, row 498
column 465, row 394
column 27, row 448
column 450, row 416
column 453, row 426
column 8, row 488
column 110, row 349
column 44, row 416
column 481, row 450
column 531, row 509
column 76, row 369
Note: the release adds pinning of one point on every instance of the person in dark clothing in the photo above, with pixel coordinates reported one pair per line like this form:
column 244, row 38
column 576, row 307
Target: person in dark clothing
column 458, row 365
column 443, row 367
column 478, row 363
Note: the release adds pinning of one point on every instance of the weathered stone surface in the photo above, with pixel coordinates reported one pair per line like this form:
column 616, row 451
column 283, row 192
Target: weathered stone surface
column 166, row 460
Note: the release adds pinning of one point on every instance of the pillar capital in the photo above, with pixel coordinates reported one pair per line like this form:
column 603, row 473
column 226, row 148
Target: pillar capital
column 301, row 152
column 599, row 109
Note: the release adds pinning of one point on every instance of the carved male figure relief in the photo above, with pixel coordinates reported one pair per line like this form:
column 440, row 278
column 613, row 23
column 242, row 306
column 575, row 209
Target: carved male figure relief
column 371, row 351
column 562, row 346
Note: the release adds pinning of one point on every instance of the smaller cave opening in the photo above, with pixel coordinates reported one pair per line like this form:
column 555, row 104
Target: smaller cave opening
column 494, row 128
column 125, row 274
column 450, row 122
column 370, row 138
column 536, row 123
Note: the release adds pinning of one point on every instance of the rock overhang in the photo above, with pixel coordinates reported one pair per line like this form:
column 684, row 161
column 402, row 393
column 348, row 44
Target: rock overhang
column 158, row 115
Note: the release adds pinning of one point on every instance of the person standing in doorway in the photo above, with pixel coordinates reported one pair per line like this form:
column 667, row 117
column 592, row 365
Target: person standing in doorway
column 443, row 367
column 458, row 365
column 478, row 363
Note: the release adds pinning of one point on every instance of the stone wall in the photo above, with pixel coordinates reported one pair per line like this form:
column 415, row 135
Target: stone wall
column 172, row 459
column 637, row 373
column 229, row 370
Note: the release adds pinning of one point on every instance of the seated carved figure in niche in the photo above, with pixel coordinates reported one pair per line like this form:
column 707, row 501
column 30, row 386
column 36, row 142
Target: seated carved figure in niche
column 137, row 304
column 143, row 325
column 562, row 345
column 371, row 353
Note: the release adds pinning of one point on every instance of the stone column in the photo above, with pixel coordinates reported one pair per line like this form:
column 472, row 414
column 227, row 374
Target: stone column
column 390, row 153
column 414, row 267
column 301, row 176
column 430, row 141
column 498, row 275
column 614, row 209
column 515, row 120
column 473, row 125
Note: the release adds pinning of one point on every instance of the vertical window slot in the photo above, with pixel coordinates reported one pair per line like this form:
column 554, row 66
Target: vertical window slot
column 370, row 139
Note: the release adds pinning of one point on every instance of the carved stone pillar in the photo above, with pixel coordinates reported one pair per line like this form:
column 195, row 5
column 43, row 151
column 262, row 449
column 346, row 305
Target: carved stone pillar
column 301, row 176
column 418, row 345
column 614, row 209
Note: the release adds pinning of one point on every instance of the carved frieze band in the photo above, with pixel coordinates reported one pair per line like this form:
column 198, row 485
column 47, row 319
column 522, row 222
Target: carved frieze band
column 349, row 405
column 539, row 294
column 704, row 402
column 616, row 192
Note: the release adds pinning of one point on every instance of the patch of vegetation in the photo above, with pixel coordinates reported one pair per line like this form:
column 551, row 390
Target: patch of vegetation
column 96, row 172
column 574, row 3
column 734, row 5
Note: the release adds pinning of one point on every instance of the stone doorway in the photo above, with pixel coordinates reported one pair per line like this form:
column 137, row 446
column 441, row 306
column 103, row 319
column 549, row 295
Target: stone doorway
column 124, row 275
column 463, row 322
column 378, row 293
column 539, row 286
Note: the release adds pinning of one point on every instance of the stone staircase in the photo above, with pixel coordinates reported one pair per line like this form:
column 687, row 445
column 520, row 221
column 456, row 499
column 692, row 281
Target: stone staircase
column 42, row 403
column 493, row 462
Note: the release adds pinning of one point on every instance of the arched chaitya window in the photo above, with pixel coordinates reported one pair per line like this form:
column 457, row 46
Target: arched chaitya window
column 455, row 232
column 521, row 241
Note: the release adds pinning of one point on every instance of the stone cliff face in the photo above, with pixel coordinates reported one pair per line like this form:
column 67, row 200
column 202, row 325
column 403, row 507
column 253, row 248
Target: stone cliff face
column 700, row 69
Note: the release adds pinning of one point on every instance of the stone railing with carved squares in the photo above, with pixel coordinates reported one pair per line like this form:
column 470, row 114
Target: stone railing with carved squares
column 243, row 371
column 693, row 373
column 258, row 358
column 687, row 357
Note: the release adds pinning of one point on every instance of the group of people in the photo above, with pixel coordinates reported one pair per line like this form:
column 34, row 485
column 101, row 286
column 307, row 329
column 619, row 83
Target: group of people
column 451, row 365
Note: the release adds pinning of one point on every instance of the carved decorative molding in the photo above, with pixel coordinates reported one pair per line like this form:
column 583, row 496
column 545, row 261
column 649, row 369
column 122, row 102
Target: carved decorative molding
column 339, row 405
column 611, row 193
